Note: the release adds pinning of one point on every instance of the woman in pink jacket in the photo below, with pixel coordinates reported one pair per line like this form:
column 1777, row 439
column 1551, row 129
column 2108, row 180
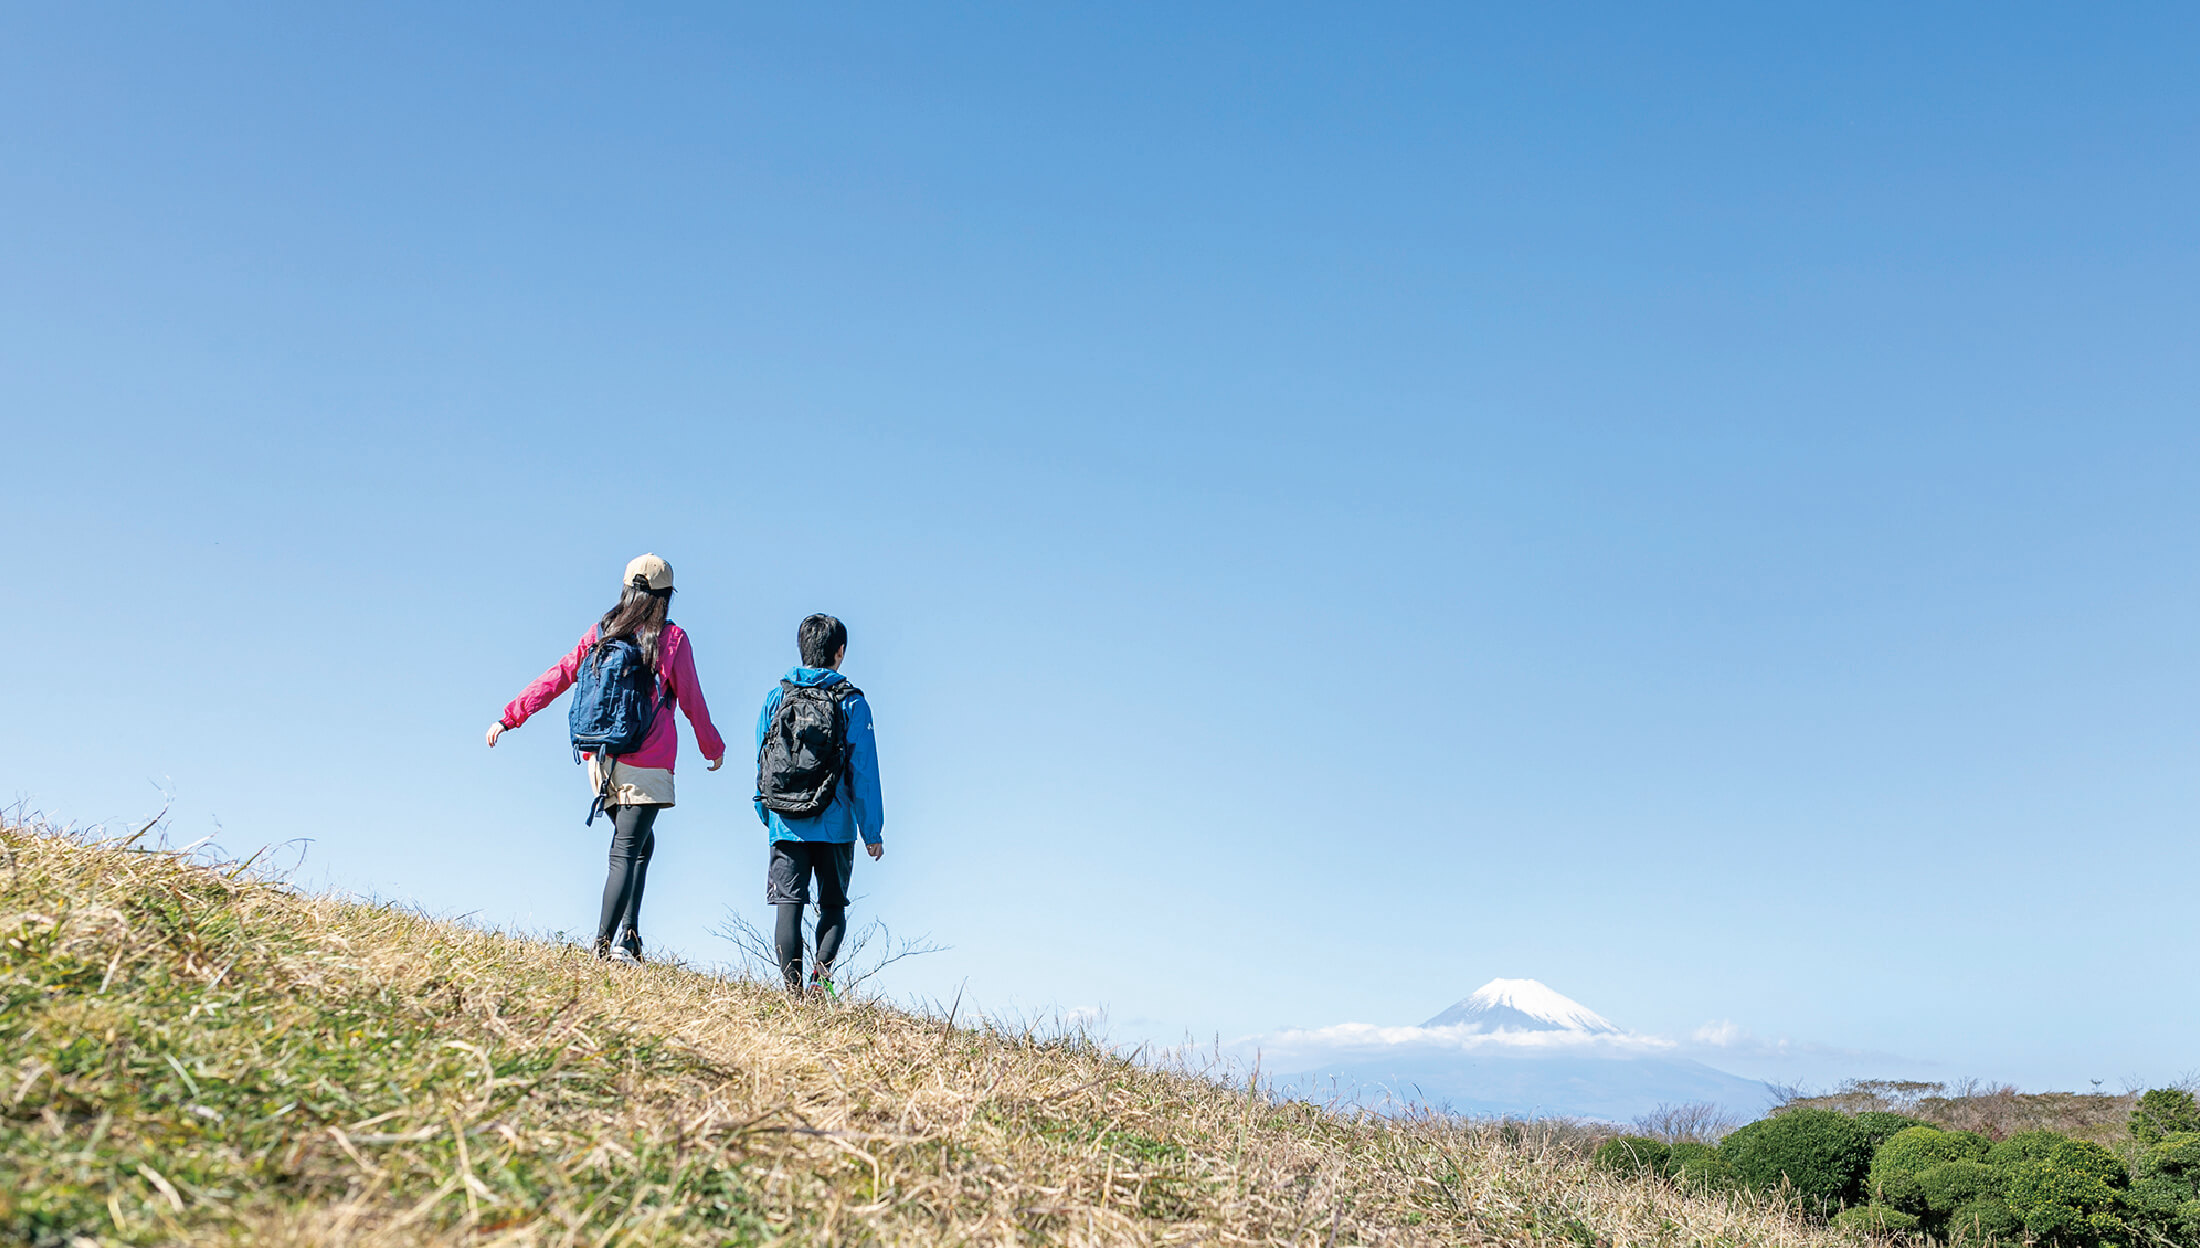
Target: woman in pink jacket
column 640, row 783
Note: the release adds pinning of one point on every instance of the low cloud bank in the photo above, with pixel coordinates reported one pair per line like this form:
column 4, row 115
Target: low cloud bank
column 1345, row 1040
column 1517, row 1045
column 1720, row 1044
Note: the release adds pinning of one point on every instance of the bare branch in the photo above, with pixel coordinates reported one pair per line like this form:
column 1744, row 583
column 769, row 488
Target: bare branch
column 863, row 955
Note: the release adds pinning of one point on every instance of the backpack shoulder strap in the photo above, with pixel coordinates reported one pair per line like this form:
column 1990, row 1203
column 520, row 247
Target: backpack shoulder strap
column 844, row 691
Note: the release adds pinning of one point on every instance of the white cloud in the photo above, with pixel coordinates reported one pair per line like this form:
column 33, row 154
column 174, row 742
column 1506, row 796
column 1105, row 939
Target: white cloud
column 1497, row 1031
column 1733, row 1040
column 1347, row 1039
column 1729, row 1046
column 1721, row 1043
column 1719, row 1033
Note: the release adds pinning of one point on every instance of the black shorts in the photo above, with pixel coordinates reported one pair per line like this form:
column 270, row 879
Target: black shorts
column 794, row 862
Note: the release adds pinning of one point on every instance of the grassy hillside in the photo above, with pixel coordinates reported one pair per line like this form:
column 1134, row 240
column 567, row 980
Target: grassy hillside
column 193, row 1055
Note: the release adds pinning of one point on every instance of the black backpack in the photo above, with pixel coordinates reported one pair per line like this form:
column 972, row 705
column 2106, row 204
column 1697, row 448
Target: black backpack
column 806, row 748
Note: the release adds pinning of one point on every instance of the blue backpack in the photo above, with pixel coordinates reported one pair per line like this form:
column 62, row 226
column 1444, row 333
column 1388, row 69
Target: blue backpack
column 614, row 703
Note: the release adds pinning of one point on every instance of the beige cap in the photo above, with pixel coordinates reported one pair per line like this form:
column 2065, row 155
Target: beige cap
column 651, row 571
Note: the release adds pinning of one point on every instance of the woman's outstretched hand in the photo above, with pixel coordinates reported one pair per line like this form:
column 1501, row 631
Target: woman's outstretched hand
column 495, row 730
column 715, row 763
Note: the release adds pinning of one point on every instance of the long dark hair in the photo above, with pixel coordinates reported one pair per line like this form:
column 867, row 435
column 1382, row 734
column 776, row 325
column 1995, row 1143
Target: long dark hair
column 639, row 615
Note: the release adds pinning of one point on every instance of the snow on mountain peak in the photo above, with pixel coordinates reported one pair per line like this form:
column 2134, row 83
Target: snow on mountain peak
column 1522, row 1005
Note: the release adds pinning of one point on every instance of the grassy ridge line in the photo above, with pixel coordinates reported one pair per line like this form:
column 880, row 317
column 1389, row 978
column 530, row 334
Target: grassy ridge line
column 191, row 1055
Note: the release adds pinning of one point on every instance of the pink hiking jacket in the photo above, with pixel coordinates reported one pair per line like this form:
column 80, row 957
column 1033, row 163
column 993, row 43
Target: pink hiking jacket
column 675, row 671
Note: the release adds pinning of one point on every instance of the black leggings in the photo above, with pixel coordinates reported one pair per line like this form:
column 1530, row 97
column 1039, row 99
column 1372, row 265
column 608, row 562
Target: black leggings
column 832, row 924
column 633, row 840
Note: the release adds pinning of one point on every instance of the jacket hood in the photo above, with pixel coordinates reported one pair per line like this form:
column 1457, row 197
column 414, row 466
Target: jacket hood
column 813, row 676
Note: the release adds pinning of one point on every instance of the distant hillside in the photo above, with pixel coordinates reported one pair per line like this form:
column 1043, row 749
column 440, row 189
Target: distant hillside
column 196, row 1056
column 1997, row 1111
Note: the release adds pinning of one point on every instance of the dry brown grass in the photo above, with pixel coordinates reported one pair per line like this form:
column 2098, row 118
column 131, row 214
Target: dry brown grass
column 193, row 1055
column 1996, row 1111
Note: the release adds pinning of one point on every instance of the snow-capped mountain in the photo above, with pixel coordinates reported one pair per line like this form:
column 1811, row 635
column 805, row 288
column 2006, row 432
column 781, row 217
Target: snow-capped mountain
column 1522, row 1005
column 1514, row 1046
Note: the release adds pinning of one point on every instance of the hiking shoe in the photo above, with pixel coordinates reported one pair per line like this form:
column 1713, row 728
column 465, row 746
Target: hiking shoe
column 632, row 946
column 602, row 948
column 824, row 984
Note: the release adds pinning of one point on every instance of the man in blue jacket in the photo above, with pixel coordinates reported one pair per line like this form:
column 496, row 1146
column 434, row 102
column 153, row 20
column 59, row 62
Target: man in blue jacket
column 817, row 790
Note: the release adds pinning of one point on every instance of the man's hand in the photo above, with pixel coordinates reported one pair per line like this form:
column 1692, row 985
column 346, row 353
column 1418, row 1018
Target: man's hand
column 716, row 763
column 874, row 848
column 495, row 730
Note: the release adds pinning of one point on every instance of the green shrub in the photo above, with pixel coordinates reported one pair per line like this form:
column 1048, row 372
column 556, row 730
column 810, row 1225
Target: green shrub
column 1880, row 1125
column 1983, row 1220
column 2162, row 1207
column 1631, row 1156
column 1951, row 1185
column 1901, row 1161
column 2162, row 1112
column 2176, row 1156
column 2025, row 1146
column 1696, row 1167
column 2072, row 1197
column 1873, row 1220
column 2165, row 1200
column 1820, row 1154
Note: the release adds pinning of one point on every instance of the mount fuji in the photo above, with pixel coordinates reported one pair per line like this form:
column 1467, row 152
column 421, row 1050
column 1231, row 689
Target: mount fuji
column 1513, row 1047
column 1522, row 1005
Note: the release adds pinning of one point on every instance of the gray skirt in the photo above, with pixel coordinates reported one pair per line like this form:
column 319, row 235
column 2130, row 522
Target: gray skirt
column 632, row 786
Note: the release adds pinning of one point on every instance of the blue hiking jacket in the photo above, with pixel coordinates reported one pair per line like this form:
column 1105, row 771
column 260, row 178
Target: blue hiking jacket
column 855, row 806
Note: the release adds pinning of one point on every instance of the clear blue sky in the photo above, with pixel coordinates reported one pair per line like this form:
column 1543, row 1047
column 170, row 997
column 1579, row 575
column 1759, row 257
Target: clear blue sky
column 1697, row 507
